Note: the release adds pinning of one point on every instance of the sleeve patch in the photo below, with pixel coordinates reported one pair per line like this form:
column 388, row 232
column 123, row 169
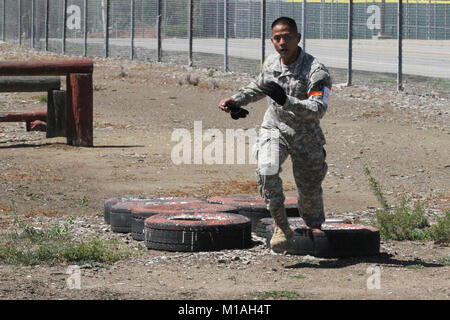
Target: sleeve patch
column 326, row 95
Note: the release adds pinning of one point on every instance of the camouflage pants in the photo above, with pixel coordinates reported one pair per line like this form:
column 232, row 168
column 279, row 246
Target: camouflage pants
column 309, row 169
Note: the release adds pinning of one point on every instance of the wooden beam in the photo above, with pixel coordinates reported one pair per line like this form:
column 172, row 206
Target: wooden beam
column 29, row 84
column 59, row 67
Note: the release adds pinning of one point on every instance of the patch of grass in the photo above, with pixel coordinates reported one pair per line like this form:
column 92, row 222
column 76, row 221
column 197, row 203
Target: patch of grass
column 43, row 98
column 300, row 276
column 404, row 223
column 440, row 232
column 444, row 261
column 84, row 202
column 30, row 245
column 211, row 73
column 92, row 251
column 441, row 84
column 277, row 294
column 415, row 266
column 383, row 80
column 376, row 189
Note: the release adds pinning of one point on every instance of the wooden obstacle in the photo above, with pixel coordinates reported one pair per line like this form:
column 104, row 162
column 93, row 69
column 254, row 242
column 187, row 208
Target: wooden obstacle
column 78, row 97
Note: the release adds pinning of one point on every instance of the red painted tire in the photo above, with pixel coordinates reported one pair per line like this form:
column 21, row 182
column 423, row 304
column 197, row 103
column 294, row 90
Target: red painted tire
column 111, row 202
column 265, row 226
column 333, row 241
column 254, row 207
column 120, row 213
column 139, row 214
column 197, row 231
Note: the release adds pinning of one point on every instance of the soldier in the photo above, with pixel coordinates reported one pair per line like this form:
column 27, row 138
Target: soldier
column 297, row 87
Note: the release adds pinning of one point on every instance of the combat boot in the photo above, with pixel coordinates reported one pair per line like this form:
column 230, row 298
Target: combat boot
column 282, row 232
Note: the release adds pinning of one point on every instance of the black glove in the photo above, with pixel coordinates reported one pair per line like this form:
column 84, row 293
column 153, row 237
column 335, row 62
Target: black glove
column 236, row 111
column 274, row 90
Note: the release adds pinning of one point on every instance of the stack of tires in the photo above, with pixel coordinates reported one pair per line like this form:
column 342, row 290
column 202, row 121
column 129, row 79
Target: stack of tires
column 227, row 222
column 179, row 223
column 254, row 207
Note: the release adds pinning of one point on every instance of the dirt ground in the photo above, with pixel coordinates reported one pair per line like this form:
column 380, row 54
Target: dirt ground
column 402, row 137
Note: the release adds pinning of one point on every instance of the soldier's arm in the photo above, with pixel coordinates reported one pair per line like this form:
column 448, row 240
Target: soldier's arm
column 316, row 105
column 251, row 92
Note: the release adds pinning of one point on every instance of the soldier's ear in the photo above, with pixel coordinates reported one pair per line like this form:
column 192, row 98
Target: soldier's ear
column 299, row 37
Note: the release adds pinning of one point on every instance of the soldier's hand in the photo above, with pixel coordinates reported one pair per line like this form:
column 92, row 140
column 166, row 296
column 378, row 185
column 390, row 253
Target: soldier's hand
column 230, row 106
column 273, row 90
column 240, row 113
column 227, row 104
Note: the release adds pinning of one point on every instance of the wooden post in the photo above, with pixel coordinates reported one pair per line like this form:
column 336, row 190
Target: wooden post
column 56, row 114
column 80, row 109
column 79, row 94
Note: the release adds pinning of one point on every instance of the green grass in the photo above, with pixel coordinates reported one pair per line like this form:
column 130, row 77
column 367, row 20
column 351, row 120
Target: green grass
column 30, row 245
column 277, row 294
column 84, row 202
column 383, row 80
column 444, row 261
column 441, row 84
column 404, row 223
column 43, row 98
column 376, row 189
column 415, row 266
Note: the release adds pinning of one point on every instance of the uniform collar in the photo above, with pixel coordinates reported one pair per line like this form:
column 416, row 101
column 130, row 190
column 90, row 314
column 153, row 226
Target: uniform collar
column 297, row 62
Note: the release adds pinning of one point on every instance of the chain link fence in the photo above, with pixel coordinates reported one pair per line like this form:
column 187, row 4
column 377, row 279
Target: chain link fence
column 234, row 35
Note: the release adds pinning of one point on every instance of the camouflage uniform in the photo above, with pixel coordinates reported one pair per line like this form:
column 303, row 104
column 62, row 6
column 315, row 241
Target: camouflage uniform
column 297, row 123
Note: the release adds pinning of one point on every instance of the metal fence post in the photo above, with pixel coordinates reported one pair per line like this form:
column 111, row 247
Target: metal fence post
column 32, row 22
column 19, row 25
column 304, row 24
column 64, row 27
column 350, row 42
column 263, row 31
column 225, row 34
column 132, row 30
column 3, row 21
column 158, row 29
column 85, row 28
column 400, row 37
column 190, row 33
column 106, row 27
column 47, row 8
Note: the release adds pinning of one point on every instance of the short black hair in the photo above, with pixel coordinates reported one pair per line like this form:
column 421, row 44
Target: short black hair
column 286, row 21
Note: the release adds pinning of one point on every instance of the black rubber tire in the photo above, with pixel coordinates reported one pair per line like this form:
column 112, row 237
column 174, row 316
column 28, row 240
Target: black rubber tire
column 113, row 201
column 254, row 207
column 195, row 232
column 107, row 208
column 139, row 215
column 265, row 226
column 254, row 203
column 120, row 213
column 138, row 226
column 334, row 241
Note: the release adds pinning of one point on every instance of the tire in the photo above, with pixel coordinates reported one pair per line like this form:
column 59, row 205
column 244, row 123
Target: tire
column 193, row 232
column 113, row 201
column 107, row 207
column 333, row 241
column 254, row 207
column 138, row 215
column 120, row 213
column 266, row 225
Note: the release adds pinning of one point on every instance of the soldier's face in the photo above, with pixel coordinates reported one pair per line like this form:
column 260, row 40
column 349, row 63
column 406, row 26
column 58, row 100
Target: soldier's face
column 285, row 42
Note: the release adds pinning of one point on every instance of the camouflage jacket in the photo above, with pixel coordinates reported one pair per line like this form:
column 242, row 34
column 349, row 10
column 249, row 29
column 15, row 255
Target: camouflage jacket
column 300, row 115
